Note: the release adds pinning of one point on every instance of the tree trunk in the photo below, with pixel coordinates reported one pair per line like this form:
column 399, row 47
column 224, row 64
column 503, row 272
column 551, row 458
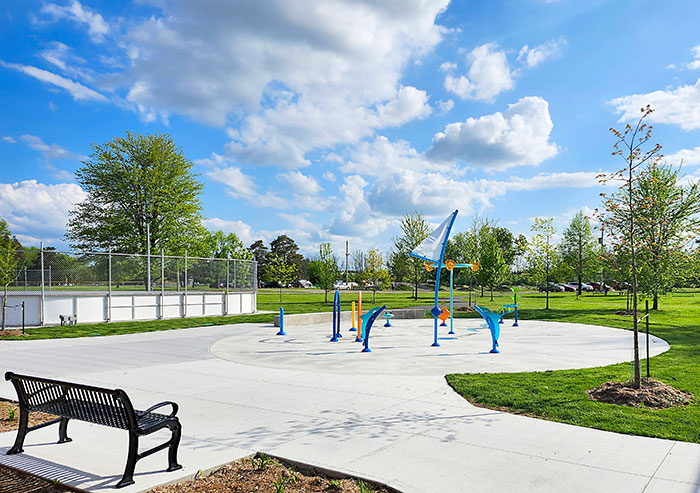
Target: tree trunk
column 637, row 377
column 655, row 304
column 482, row 290
column 374, row 293
column 280, row 294
column 491, row 293
column 4, row 308
column 325, row 292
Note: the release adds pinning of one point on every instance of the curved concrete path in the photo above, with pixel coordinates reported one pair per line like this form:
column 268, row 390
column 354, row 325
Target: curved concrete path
column 325, row 404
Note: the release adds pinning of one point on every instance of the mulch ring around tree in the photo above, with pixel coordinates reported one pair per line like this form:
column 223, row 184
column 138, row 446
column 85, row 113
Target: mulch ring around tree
column 264, row 473
column 11, row 333
column 652, row 394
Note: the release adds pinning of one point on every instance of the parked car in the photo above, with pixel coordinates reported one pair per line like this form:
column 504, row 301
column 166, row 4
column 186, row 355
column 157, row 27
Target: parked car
column 551, row 287
column 303, row 283
column 569, row 287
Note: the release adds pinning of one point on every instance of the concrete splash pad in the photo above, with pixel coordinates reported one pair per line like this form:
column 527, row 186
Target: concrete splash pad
column 405, row 348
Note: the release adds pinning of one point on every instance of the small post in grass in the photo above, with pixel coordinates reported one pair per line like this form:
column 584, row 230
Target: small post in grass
column 647, row 324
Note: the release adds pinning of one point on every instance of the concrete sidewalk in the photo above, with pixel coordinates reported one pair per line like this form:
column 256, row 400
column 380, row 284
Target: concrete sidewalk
column 387, row 415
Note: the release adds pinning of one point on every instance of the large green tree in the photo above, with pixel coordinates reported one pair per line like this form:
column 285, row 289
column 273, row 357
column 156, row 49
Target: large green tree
column 415, row 229
column 285, row 247
column 579, row 249
column 667, row 219
column 280, row 270
column 260, row 254
column 132, row 183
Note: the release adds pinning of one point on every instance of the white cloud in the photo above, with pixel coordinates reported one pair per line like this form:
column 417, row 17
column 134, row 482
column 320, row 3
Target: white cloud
column 329, row 176
column 680, row 106
column 448, row 66
column 383, row 157
column 409, row 104
column 518, row 136
column 445, row 106
column 244, row 231
column 36, row 211
column 695, row 64
column 61, row 56
column 50, row 151
column 488, row 75
column 8, row 139
column 76, row 89
column 532, row 57
column 97, row 27
column 299, row 183
column 689, row 157
column 296, row 75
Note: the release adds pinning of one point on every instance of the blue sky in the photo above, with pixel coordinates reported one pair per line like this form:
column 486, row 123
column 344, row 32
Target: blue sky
column 328, row 120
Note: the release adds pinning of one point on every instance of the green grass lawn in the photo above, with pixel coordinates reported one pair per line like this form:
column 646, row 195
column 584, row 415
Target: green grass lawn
column 560, row 395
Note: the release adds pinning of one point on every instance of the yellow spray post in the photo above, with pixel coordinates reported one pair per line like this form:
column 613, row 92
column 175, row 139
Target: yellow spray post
column 360, row 335
column 353, row 328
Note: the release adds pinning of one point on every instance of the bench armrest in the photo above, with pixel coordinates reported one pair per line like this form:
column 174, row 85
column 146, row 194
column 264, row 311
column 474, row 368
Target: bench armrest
column 153, row 408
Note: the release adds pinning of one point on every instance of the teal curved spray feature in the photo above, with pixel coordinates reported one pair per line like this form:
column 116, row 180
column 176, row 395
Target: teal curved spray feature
column 432, row 250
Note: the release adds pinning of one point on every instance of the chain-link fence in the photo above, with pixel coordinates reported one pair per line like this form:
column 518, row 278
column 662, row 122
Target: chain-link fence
column 52, row 270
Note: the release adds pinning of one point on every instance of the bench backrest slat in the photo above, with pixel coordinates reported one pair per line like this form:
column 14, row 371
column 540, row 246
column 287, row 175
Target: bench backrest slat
column 75, row 401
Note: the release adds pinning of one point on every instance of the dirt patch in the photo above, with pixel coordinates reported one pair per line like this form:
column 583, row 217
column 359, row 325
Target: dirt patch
column 466, row 309
column 263, row 473
column 11, row 333
column 652, row 394
column 626, row 313
column 9, row 416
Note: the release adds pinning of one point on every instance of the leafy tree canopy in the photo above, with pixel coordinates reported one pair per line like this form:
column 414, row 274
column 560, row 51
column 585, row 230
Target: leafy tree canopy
column 133, row 181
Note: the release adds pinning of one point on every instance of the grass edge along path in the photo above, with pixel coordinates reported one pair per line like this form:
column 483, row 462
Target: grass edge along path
column 560, row 395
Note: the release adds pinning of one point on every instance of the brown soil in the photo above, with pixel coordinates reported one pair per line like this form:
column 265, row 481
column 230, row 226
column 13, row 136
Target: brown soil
column 468, row 309
column 652, row 394
column 6, row 410
column 11, row 333
column 627, row 313
column 263, row 473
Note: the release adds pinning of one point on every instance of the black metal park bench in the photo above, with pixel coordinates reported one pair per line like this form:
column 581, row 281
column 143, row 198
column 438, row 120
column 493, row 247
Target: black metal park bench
column 105, row 407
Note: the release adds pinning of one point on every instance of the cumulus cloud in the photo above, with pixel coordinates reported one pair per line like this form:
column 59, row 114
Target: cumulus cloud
column 383, row 157
column 50, row 151
column 445, row 106
column 679, row 106
column 304, row 75
column 487, row 77
column 518, row 136
column 97, row 27
column 448, row 66
column 75, row 89
column 37, row 211
column 532, row 57
column 689, row 157
column 9, row 140
column 299, row 183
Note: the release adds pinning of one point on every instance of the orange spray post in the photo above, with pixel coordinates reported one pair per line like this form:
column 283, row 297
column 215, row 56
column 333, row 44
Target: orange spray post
column 359, row 337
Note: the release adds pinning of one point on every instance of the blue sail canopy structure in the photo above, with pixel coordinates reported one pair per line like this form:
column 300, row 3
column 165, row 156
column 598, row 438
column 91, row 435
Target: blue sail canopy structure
column 432, row 250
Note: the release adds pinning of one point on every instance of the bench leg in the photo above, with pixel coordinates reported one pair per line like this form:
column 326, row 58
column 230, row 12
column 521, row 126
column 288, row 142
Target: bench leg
column 172, row 448
column 63, row 431
column 21, row 432
column 128, row 478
